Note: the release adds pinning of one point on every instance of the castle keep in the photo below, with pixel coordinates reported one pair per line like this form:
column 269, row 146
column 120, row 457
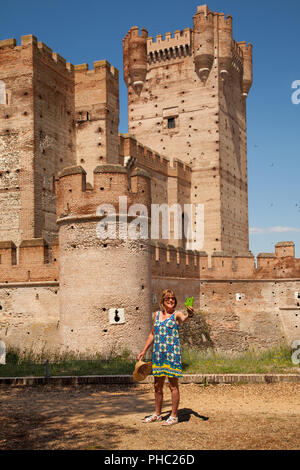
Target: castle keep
column 62, row 288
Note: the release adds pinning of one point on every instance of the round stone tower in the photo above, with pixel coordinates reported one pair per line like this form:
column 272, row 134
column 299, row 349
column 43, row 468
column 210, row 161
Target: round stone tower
column 105, row 277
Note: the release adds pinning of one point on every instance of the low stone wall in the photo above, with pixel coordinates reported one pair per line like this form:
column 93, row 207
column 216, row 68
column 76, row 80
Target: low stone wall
column 127, row 379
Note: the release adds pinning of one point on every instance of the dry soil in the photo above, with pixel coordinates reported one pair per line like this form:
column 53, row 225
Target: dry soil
column 265, row 416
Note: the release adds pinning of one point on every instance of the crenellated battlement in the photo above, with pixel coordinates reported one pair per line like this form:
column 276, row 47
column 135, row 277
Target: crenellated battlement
column 8, row 44
column 179, row 37
column 75, row 199
column 204, row 15
column 99, row 66
column 148, row 159
column 135, row 32
column 45, row 52
column 175, row 262
column 33, row 260
column 180, row 170
column 168, row 261
column 178, row 45
column 224, row 21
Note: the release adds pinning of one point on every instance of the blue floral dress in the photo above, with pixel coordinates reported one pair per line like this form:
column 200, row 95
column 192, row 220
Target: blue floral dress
column 166, row 357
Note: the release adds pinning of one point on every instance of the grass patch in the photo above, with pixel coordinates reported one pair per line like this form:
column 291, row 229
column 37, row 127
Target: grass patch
column 21, row 365
column 276, row 360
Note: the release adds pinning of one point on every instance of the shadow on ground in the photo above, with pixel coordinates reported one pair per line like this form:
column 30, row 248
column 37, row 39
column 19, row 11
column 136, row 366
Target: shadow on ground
column 185, row 415
column 45, row 417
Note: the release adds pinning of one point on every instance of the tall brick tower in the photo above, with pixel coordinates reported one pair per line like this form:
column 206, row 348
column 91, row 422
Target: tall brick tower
column 187, row 99
column 52, row 115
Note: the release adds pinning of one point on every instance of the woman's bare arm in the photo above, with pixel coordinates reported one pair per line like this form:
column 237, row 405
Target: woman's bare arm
column 183, row 317
column 148, row 343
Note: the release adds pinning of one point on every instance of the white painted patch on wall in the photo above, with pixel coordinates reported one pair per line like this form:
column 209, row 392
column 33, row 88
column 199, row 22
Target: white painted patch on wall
column 239, row 297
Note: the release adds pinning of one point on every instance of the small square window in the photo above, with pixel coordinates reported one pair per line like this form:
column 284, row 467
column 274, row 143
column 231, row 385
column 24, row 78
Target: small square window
column 171, row 123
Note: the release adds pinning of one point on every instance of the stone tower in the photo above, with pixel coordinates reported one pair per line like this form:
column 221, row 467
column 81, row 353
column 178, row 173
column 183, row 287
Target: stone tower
column 52, row 115
column 187, row 99
column 105, row 283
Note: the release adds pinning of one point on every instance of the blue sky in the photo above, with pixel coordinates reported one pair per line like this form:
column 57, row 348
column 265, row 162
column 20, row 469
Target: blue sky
column 93, row 30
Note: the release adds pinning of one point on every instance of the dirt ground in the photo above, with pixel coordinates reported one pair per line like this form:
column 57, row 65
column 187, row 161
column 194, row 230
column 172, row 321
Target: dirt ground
column 265, row 416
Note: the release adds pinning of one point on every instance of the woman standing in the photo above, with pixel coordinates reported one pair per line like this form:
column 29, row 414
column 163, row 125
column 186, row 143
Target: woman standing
column 166, row 357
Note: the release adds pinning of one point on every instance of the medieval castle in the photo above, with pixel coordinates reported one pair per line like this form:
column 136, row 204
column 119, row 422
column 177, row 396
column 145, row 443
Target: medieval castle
column 63, row 288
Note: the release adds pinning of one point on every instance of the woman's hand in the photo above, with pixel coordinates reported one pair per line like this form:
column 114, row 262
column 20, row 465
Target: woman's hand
column 181, row 317
column 190, row 312
column 140, row 356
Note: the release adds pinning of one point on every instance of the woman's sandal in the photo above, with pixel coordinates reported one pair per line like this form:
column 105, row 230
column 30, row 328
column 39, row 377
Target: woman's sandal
column 152, row 418
column 171, row 420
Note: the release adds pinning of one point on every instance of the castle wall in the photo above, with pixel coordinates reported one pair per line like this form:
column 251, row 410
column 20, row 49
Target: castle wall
column 29, row 288
column 267, row 315
column 252, row 313
column 30, row 316
column 57, row 305
column 244, row 306
column 170, row 182
column 31, row 262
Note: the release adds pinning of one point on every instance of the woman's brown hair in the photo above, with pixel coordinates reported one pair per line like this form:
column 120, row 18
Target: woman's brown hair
column 166, row 293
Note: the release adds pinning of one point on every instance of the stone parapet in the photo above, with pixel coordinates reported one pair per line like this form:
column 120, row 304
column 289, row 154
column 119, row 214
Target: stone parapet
column 149, row 159
column 177, row 262
column 33, row 263
column 110, row 182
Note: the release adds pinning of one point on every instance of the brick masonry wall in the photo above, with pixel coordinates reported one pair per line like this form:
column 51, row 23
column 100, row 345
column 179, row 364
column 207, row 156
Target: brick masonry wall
column 16, row 142
column 54, row 132
column 30, row 317
column 266, row 316
column 97, row 115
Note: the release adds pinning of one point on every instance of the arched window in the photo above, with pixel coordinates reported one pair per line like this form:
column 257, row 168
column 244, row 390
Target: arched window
column 3, row 99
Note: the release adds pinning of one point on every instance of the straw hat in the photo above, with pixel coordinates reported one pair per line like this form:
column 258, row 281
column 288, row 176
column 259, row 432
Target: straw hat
column 141, row 370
